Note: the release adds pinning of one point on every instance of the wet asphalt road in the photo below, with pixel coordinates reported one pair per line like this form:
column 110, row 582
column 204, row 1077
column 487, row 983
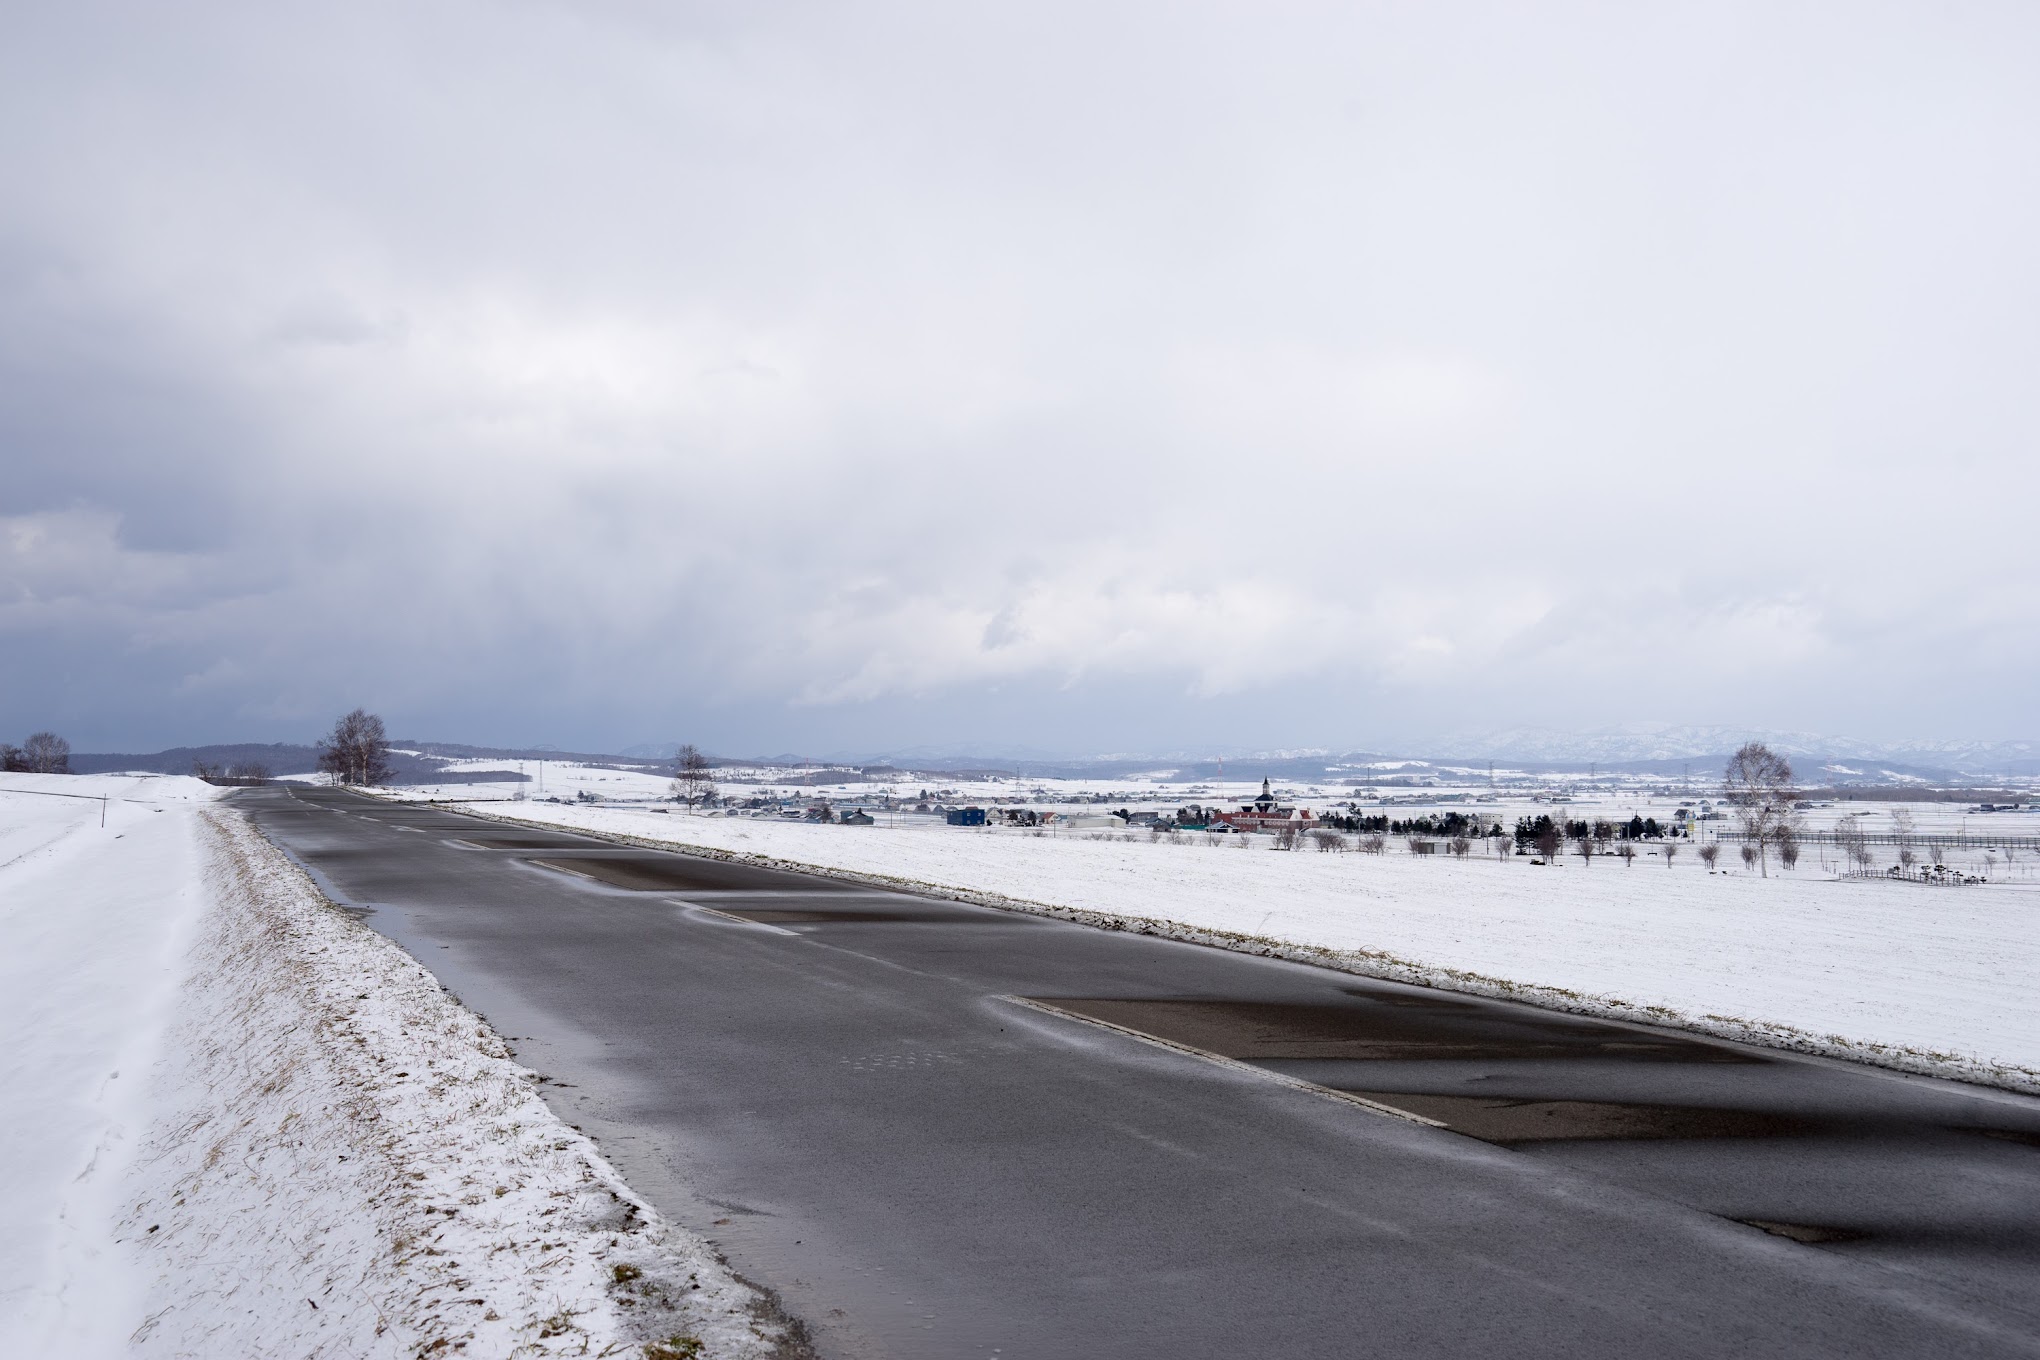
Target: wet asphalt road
column 933, row 1130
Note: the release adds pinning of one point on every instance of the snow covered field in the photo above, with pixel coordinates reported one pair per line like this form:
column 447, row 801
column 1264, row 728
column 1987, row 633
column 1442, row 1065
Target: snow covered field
column 1928, row 979
column 242, row 1123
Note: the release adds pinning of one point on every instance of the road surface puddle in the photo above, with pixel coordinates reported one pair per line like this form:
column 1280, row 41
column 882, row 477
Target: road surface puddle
column 653, row 872
column 1500, row 1120
column 1813, row 1234
column 777, row 917
column 1395, row 1030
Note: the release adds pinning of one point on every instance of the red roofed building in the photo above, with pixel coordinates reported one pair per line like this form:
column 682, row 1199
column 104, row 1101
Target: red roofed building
column 1263, row 814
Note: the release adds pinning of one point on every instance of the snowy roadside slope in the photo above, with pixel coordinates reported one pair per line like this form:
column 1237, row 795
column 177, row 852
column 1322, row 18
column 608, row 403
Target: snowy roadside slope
column 1928, row 980
column 240, row 1123
column 348, row 1163
column 93, row 924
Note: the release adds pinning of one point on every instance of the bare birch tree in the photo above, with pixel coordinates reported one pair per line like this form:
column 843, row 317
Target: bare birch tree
column 690, row 774
column 1758, row 785
column 1902, row 828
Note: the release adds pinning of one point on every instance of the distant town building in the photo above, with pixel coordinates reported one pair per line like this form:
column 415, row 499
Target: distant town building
column 1265, row 814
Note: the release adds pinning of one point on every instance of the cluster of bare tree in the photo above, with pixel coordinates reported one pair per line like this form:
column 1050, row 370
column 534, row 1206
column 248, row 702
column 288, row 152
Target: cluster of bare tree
column 357, row 750
column 1855, row 842
column 1757, row 784
column 240, row 772
column 42, row 753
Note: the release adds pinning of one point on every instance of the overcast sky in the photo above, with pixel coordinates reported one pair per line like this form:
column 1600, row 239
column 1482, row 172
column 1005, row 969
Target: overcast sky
column 1073, row 378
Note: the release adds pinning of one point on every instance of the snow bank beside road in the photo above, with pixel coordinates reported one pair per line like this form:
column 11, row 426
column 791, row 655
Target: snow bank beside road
column 1933, row 980
column 315, row 1151
column 93, row 925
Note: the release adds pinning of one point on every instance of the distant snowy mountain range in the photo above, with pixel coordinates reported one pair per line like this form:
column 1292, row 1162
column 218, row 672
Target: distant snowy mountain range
column 1623, row 745
column 1664, row 749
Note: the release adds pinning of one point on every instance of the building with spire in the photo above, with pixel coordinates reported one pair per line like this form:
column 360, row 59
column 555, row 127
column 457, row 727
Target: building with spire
column 1266, row 814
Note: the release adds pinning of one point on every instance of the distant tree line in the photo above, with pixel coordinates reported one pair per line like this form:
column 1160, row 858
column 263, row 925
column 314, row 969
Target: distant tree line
column 240, row 772
column 1446, row 824
column 1600, row 832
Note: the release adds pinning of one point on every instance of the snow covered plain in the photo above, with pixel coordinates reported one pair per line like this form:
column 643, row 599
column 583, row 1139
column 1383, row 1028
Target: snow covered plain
column 1924, row 979
column 241, row 1123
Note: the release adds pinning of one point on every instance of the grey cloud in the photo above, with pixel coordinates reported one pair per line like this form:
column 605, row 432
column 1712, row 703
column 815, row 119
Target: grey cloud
column 1070, row 377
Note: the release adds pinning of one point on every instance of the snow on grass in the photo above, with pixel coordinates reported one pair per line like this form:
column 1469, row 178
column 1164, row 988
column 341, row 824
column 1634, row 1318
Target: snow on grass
column 256, row 1127
column 1934, row 980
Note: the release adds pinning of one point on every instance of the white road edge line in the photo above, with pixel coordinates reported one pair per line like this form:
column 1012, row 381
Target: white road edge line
column 740, row 920
column 1279, row 1078
column 560, row 868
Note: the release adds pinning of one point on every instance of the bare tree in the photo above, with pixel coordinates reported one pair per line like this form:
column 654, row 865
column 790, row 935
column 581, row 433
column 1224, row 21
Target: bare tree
column 254, row 771
column 1758, row 785
column 1328, row 842
column 1902, row 827
column 1709, row 853
column 1374, row 843
column 1584, row 844
column 357, row 750
column 11, row 759
column 46, row 753
column 1849, row 835
column 1501, row 844
column 1788, row 851
column 1550, row 840
column 1628, row 852
column 1671, row 848
column 1459, row 846
column 690, row 773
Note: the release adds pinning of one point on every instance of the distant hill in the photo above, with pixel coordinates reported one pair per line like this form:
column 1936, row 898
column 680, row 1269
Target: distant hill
column 277, row 758
column 1668, row 752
